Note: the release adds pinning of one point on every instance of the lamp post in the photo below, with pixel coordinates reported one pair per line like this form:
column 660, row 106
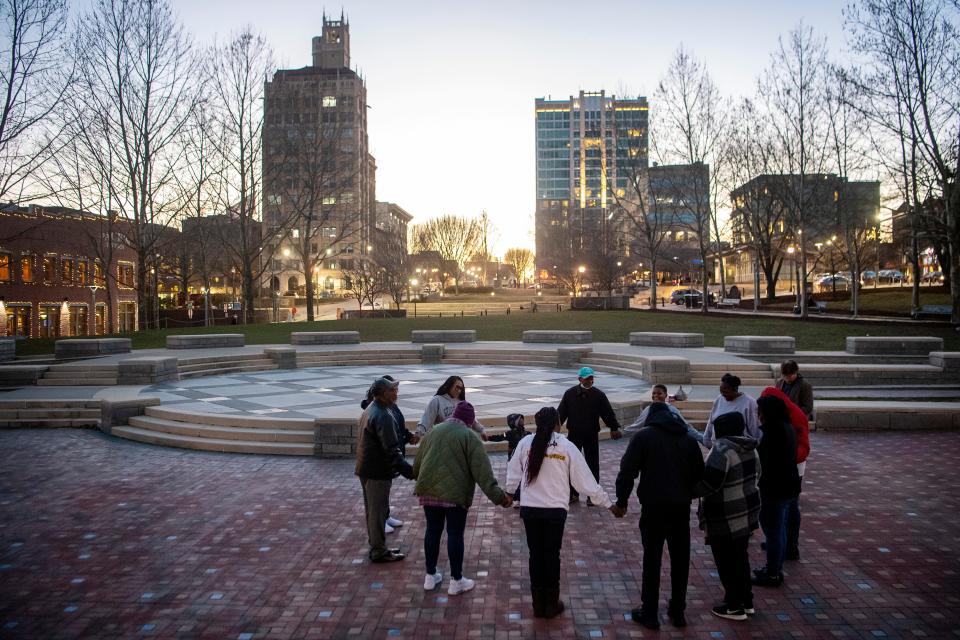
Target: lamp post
column 413, row 283
column 579, row 281
column 93, row 308
column 65, row 319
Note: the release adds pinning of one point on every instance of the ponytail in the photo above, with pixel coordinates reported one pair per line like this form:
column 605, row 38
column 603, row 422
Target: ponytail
column 547, row 420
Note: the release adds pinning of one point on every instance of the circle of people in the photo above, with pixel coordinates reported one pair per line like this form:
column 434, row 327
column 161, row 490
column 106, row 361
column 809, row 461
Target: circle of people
column 751, row 478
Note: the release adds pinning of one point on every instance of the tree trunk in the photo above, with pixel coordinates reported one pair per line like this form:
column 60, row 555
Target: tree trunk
column 704, row 283
column 248, row 302
column 309, row 291
column 653, row 285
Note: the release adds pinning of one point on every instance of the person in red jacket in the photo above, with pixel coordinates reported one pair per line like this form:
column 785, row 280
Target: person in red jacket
column 801, row 426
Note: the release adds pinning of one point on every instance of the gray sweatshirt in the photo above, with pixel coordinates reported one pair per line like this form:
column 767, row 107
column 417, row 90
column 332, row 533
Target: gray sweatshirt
column 438, row 410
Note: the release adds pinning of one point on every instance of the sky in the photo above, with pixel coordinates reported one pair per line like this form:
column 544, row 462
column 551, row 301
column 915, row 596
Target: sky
column 452, row 84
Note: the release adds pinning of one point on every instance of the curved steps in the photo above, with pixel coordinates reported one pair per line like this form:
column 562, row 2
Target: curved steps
column 28, row 414
column 79, row 375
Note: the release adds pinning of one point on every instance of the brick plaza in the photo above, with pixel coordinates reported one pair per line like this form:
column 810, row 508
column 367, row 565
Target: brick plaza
column 103, row 538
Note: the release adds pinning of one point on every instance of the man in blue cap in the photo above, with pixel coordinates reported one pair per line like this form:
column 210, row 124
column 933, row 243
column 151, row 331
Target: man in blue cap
column 582, row 407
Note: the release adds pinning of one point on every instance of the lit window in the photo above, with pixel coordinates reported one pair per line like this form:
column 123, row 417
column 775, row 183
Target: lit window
column 66, row 271
column 329, row 101
column 49, row 268
column 295, row 233
column 26, row 269
column 4, row 267
column 274, row 199
column 346, row 198
column 329, row 200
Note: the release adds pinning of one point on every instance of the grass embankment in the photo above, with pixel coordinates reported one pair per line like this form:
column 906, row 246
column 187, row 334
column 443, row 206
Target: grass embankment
column 607, row 326
column 880, row 301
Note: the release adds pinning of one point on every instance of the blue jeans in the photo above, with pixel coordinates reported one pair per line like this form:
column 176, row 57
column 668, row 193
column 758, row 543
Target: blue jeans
column 455, row 519
column 773, row 521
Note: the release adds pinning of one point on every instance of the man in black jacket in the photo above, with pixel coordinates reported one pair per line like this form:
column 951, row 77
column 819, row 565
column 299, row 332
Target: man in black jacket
column 582, row 407
column 669, row 464
column 379, row 458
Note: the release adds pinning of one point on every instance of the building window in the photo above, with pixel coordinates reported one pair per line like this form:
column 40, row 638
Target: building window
column 329, row 200
column 98, row 278
column 329, row 101
column 49, row 321
column 82, row 272
column 101, row 327
column 66, row 271
column 18, row 320
column 26, row 269
column 49, row 268
column 125, row 275
column 127, row 315
column 274, row 199
column 79, row 322
column 4, row 267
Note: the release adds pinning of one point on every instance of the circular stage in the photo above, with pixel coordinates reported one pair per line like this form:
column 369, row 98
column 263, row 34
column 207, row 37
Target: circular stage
column 335, row 392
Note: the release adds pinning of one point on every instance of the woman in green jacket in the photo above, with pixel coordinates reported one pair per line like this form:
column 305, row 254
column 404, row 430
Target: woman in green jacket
column 450, row 462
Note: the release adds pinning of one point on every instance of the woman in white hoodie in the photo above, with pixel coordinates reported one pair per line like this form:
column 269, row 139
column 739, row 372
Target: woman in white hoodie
column 545, row 465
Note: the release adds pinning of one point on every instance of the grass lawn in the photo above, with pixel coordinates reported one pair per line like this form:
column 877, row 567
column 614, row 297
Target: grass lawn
column 607, row 326
column 893, row 301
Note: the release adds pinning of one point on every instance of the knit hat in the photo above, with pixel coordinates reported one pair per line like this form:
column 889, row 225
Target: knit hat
column 513, row 419
column 729, row 424
column 464, row 413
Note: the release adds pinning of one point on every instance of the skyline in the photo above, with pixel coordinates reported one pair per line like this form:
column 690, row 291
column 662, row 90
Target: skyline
column 452, row 88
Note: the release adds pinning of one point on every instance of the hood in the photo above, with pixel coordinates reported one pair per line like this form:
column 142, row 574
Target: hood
column 660, row 416
column 743, row 444
column 795, row 414
column 512, row 420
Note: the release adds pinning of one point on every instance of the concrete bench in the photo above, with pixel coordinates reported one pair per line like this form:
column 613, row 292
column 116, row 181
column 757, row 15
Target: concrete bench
column 90, row 347
column 728, row 302
column 898, row 345
column 759, row 344
column 325, row 337
column 558, row 337
column 665, row 339
column 443, row 335
column 205, row 341
column 8, row 349
column 18, row 375
column 147, row 370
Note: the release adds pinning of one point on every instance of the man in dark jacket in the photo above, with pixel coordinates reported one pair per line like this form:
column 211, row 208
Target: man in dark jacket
column 797, row 389
column 669, row 464
column 379, row 458
column 582, row 407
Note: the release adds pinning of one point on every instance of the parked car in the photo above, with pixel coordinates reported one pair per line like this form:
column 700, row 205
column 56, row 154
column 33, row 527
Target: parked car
column 890, row 275
column 868, row 276
column 934, row 277
column 678, row 296
column 829, row 282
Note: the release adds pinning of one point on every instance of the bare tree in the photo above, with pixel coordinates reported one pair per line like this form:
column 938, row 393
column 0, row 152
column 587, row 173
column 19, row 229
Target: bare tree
column 136, row 70
column 34, row 76
column 364, row 280
column 395, row 269
column 455, row 238
column 911, row 59
column 237, row 74
column 692, row 129
column 520, row 260
column 793, row 88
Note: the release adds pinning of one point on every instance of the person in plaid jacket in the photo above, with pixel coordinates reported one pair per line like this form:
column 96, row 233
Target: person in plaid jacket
column 730, row 511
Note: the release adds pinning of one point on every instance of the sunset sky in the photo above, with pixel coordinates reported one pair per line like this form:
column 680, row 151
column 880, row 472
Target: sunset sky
column 452, row 84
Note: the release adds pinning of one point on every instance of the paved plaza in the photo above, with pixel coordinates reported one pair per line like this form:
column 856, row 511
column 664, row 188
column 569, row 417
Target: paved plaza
column 105, row 538
column 335, row 392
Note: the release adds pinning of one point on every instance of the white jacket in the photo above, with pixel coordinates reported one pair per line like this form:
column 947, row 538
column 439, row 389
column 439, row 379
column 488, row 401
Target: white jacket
column 563, row 465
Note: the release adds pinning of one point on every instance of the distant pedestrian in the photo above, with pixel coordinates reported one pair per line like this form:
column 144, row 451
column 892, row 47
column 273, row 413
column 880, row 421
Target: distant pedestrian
column 451, row 462
column 779, row 485
column 544, row 467
column 442, row 405
column 729, row 511
column 669, row 463
column 379, row 459
column 731, row 399
column 581, row 408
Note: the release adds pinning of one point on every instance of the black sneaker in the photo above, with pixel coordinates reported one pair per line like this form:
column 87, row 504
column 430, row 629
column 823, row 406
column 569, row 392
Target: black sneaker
column 792, row 554
column 647, row 619
column 724, row 610
column 767, row 580
column 677, row 619
column 749, row 610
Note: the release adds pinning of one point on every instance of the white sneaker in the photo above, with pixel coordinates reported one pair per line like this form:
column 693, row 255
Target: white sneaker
column 460, row 586
column 431, row 582
column 387, row 528
column 393, row 522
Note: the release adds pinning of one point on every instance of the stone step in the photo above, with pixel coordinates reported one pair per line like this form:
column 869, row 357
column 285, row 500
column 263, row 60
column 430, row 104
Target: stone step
column 83, row 369
column 738, row 366
column 177, row 427
column 385, row 360
column 76, row 382
column 492, row 360
column 50, row 404
column 148, row 436
column 233, row 357
column 62, row 374
column 746, row 382
column 48, row 423
column 621, row 371
column 219, row 420
column 606, row 357
column 226, row 370
column 58, row 414
column 204, row 366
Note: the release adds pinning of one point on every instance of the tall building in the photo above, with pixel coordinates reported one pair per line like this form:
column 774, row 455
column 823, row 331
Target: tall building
column 587, row 148
column 318, row 175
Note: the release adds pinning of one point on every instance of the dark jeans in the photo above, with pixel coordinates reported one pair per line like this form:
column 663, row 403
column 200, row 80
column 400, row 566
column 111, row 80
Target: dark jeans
column 793, row 525
column 455, row 519
column 733, row 565
column 589, row 444
column 670, row 524
column 773, row 521
column 544, row 538
column 376, row 505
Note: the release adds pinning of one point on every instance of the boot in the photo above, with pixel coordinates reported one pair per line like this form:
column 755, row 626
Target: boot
column 552, row 604
column 537, row 595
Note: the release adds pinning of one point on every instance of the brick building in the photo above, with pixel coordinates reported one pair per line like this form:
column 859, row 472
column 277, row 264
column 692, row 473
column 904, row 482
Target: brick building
column 53, row 255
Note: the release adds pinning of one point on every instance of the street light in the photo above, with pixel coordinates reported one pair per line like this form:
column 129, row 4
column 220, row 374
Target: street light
column 93, row 309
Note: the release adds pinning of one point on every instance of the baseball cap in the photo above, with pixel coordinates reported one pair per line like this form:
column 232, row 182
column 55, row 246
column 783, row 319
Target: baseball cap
column 382, row 384
column 585, row 372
